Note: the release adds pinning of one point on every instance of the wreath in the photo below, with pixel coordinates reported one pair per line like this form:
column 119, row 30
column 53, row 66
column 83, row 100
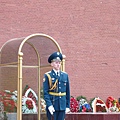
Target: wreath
column 28, row 105
column 98, row 105
column 29, row 93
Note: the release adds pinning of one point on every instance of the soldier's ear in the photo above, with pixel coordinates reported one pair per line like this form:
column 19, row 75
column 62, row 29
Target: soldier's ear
column 51, row 64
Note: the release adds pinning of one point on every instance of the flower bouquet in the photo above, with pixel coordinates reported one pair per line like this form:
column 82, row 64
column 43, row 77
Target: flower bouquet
column 30, row 101
column 73, row 105
column 8, row 99
column 43, row 105
column 84, row 106
column 112, row 104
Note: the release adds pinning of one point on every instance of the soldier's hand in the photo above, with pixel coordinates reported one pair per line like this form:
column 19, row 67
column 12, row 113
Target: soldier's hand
column 67, row 110
column 51, row 109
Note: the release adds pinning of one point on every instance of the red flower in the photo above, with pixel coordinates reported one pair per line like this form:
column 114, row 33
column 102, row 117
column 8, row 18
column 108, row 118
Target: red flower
column 8, row 102
column 29, row 104
column 73, row 105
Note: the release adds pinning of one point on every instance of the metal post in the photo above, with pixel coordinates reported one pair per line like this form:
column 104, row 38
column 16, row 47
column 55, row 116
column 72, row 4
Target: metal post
column 19, row 100
column 39, row 94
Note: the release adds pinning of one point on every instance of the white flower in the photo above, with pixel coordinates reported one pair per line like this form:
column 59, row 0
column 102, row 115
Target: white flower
column 7, row 91
column 15, row 93
column 82, row 102
column 14, row 98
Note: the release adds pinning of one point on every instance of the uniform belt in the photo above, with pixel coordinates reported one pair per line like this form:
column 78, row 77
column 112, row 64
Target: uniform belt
column 57, row 94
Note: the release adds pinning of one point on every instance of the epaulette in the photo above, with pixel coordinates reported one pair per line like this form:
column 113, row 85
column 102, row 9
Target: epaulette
column 64, row 72
column 48, row 72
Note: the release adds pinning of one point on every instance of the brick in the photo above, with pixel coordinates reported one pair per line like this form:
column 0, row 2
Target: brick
column 87, row 32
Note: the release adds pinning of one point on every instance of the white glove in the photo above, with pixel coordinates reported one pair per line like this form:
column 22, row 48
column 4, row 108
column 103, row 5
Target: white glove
column 51, row 109
column 67, row 110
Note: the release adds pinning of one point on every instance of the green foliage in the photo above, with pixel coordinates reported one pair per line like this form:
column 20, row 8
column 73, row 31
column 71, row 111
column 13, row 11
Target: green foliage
column 91, row 100
column 5, row 116
column 81, row 97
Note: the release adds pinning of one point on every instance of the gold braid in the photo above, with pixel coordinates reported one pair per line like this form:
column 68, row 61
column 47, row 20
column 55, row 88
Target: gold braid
column 52, row 87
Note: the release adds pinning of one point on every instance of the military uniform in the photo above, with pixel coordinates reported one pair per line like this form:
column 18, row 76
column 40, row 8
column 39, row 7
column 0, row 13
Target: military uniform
column 56, row 93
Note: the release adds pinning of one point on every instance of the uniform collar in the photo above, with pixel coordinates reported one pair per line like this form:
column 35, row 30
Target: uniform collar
column 56, row 71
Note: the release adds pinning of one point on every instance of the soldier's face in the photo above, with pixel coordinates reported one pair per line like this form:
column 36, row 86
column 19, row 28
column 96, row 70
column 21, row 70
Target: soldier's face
column 56, row 65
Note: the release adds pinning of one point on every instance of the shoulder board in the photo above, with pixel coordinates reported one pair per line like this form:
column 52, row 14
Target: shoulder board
column 64, row 72
column 49, row 78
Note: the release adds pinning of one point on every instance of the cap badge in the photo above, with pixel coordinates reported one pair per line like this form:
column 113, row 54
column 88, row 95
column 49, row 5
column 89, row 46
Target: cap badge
column 58, row 53
column 58, row 58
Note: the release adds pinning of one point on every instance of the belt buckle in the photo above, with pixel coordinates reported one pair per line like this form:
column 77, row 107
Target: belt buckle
column 59, row 93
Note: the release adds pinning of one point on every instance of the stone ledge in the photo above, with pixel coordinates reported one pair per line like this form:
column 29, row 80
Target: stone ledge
column 71, row 116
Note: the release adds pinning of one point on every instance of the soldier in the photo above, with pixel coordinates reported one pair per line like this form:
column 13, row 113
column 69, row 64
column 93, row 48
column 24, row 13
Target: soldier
column 56, row 89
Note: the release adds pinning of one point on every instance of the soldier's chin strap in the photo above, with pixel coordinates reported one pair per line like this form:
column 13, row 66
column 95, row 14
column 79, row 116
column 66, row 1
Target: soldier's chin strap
column 52, row 87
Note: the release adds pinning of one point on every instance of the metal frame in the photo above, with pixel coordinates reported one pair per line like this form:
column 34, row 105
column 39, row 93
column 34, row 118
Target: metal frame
column 20, row 72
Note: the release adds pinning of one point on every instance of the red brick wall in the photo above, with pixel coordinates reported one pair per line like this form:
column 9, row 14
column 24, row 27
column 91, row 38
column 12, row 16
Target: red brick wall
column 87, row 31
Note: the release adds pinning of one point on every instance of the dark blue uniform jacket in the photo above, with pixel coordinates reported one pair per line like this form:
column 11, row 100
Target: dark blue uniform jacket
column 58, row 102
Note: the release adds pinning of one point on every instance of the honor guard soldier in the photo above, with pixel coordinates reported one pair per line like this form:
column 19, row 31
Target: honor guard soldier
column 56, row 89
